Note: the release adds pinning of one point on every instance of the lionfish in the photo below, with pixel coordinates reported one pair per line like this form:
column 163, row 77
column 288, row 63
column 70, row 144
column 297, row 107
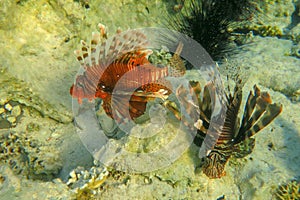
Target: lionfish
column 118, row 71
column 235, row 136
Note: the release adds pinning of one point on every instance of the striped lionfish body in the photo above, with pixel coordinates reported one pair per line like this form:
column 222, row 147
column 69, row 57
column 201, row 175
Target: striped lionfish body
column 259, row 112
column 117, row 70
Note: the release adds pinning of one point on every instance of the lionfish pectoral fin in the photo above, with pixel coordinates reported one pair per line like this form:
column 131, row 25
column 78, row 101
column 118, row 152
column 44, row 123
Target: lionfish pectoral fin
column 254, row 108
column 272, row 111
column 136, row 109
column 250, row 105
column 243, row 148
column 127, row 107
column 204, row 104
column 139, row 97
column 207, row 106
column 259, row 112
column 171, row 106
column 107, row 108
column 260, row 108
column 197, row 89
column 145, row 96
column 190, row 105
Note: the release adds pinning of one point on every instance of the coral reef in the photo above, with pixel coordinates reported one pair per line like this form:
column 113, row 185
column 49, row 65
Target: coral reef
column 26, row 157
column 263, row 23
column 38, row 52
column 289, row 191
column 10, row 113
column 86, row 183
column 266, row 30
column 295, row 51
column 160, row 57
column 16, row 95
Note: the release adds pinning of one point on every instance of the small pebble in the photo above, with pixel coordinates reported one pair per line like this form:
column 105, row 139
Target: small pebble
column 8, row 107
column 2, row 179
column 147, row 180
column 3, row 101
column 16, row 111
column 2, row 110
column 11, row 119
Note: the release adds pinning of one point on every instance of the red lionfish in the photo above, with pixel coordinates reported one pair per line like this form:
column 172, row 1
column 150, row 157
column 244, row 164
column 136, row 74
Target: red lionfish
column 122, row 61
column 235, row 137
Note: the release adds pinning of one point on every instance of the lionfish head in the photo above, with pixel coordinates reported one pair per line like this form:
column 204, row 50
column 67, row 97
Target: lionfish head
column 78, row 90
column 214, row 165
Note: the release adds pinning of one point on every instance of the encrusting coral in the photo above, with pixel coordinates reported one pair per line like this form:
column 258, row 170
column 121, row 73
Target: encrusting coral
column 26, row 157
column 86, row 183
column 289, row 191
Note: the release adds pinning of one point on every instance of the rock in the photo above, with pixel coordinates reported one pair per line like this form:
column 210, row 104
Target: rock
column 2, row 110
column 16, row 111
column 12, row 120
column 8, row 107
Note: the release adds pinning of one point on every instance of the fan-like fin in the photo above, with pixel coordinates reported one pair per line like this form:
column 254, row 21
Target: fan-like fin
column 231, row 119
column 250, row 106
column 272, row 111
column 259, row 112
column 208, row 100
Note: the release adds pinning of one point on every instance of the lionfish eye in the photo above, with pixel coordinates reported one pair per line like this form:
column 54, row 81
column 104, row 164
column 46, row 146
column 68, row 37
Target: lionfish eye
column 104, row 88
column 101, row 86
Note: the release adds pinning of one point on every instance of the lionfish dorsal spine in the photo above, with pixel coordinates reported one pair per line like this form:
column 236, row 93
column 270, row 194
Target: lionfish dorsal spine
column 87, row 55
column 94, row 42
column 122, row 43
column 229, row 127
column 249, row 107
